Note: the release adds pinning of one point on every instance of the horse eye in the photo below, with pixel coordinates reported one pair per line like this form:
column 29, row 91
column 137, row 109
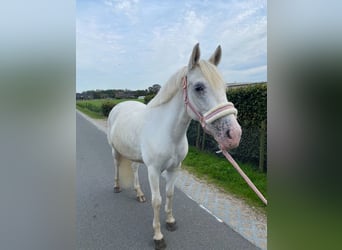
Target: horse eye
column 199, row 87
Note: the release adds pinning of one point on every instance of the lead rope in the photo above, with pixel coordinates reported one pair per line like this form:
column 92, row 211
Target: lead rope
column 244, row 176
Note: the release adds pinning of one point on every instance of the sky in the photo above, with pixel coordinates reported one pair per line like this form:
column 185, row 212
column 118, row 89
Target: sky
column 133, row 44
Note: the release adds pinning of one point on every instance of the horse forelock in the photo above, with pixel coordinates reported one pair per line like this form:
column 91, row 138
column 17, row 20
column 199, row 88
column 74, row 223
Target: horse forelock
column 212, row 75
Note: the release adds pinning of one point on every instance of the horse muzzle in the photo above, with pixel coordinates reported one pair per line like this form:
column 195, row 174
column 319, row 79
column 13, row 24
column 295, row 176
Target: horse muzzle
column 230, row 138
column 226, row 131
column 221, row 122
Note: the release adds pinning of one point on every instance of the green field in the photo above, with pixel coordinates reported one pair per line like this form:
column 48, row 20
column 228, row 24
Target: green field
column 93, row 107
column 214, row 169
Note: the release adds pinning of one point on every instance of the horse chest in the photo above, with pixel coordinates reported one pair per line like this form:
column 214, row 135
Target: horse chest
column 165, row 155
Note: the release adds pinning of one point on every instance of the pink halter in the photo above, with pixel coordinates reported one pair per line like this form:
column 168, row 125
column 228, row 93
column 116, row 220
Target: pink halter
column 215, row 113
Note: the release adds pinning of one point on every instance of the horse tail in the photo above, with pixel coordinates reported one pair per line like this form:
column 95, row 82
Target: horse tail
column 126, row 175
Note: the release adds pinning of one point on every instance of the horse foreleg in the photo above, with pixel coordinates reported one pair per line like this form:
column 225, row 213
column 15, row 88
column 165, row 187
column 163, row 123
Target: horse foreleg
column 153, row 177
column 171, row 176
column 140, row 194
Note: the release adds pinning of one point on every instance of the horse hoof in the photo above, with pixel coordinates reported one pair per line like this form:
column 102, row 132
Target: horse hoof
column 159, row 244
column 141, row 199
column 117, row 189
column 171, row 226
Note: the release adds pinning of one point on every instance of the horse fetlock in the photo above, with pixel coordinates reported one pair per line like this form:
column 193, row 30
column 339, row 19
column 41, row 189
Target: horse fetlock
column 169, row 216
column 168, row 210
column 141, row 198
column 139, row 192
column 140, row 195
column 158, row 236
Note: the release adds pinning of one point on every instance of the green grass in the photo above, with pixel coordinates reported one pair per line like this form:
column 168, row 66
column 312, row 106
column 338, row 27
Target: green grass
column 92, row 114
column 220, row 172
column 93, row 107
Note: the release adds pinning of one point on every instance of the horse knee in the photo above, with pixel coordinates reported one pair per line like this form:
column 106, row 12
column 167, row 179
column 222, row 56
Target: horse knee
column 169, row 194
column 156, row 201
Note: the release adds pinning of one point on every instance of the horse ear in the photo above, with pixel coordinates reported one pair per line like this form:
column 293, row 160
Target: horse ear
column 195, row 56
column 216, row 57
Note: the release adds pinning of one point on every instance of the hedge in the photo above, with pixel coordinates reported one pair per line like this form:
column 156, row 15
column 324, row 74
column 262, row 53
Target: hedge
column 251, row 103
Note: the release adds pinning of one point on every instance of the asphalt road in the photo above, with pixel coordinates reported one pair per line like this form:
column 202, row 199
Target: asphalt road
column 106, row 220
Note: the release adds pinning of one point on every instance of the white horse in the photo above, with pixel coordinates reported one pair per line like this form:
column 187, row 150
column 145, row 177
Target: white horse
column 155, row 134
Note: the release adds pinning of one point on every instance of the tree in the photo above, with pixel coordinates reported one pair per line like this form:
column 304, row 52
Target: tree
column 154, row 89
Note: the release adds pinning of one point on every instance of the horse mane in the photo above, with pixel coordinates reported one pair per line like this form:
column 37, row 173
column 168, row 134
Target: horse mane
column 171, row 87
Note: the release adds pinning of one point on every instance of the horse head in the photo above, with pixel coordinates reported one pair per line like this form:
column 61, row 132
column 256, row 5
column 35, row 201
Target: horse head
column 206, row 99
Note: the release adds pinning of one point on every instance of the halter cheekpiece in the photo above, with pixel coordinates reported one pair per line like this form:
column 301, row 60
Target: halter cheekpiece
column 213, row 114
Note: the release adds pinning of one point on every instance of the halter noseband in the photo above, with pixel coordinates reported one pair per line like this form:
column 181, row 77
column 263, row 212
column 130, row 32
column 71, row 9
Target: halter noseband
column 215, row 113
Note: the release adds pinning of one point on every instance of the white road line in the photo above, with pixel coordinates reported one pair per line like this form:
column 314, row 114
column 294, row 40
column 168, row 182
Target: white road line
column 206, row 209
column 189, row 196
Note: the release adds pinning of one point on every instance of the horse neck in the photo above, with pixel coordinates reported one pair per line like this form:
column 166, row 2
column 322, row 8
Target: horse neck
column 177, row 118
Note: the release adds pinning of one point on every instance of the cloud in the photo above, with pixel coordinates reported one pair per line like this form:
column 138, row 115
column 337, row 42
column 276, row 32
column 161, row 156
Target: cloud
column 245, row 41
column 172, row 43
column 128, row 8
column 96, row 47
column 133, row 44
column 242, row 33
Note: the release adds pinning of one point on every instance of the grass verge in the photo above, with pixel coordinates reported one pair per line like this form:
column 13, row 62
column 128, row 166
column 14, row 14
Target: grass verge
column 92, row 114
column 218, row 171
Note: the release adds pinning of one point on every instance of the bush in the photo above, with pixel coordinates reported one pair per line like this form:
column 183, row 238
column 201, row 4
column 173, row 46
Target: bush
column 106, row 107
column 90, row 106
column 148, row 98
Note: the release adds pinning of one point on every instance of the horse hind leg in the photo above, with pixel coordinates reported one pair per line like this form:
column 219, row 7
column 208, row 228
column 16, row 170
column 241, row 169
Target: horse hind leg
column 116, row 157
column 137, row 188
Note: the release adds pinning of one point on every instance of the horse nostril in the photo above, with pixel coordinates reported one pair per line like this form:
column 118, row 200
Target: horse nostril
column 228, row 134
